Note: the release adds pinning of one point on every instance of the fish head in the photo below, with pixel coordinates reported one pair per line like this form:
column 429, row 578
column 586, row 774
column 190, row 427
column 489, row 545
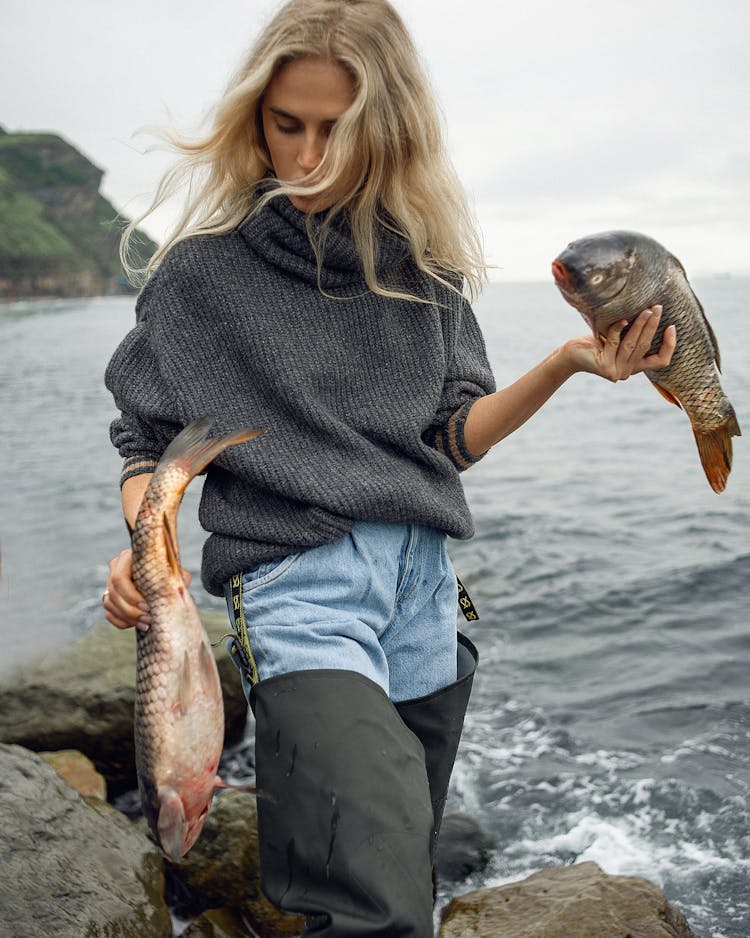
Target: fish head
column 177, row 819
column 180, row 825
column 193, row 827
column 594, row 270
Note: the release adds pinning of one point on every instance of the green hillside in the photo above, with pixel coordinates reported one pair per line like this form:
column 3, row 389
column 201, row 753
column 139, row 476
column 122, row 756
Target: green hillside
column 58, row 235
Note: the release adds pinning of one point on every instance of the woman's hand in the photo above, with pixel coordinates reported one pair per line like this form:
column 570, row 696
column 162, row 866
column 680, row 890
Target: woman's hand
column 124, row 605
column 492, row 417
column 618, row 357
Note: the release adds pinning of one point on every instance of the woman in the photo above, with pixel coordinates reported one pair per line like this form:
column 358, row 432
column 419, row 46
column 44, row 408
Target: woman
column 313, row 288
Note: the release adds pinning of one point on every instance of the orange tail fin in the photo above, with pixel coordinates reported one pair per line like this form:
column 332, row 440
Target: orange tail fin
column 715, row 449
column 192, row 450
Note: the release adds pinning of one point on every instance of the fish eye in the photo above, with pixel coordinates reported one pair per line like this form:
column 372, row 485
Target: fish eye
column 596, row 280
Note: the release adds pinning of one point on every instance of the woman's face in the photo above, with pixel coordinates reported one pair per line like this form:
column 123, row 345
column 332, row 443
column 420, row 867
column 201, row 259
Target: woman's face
column 300, row 106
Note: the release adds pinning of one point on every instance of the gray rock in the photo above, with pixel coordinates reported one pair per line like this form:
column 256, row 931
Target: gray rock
column 463, row 848
column 82, row 698
column 581, row 901
column 71, row 866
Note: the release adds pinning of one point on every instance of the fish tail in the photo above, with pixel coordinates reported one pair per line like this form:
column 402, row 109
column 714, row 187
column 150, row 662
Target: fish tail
column 193, row 451
column 715, row 450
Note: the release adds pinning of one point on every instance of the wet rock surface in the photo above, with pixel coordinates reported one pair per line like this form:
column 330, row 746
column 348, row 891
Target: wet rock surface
column 72, row 866
column 463, row 848
column 82, row 698
column 217, row 923
column 221, row 871
column 561, row 902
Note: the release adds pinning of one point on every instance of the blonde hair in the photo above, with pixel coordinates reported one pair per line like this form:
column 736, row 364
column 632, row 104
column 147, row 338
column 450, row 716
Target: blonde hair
column 386, row 153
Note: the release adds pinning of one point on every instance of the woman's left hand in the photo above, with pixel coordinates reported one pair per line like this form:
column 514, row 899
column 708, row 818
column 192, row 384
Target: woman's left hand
column 617, row 357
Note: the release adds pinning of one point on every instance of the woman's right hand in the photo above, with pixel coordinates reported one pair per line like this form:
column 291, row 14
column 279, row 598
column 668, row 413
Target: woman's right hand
column 125, row 607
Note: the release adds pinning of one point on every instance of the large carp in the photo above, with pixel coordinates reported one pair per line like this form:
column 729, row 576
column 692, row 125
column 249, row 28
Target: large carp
column 613, row 276
column 179, row 711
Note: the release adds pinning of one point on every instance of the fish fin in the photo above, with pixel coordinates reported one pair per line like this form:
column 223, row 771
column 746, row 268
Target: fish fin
column 193, row 451
column 715, row 450
column 706, row 323
column 712, row 337
column 667, row 395
column 173, row 550
column 207, row 668
column 184, row 689
column 171, row 825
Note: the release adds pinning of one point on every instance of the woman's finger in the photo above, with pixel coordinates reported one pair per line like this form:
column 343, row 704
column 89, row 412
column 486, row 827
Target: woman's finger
column 123, row 603
column 606, row 357
column 637, row 341
column 664, row 356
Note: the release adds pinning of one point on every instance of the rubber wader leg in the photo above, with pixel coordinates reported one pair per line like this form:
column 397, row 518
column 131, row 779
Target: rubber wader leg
column 437, row 721
column 345, row 827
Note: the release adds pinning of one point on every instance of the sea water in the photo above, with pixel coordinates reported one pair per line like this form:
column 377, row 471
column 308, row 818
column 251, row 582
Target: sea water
column 611, row 714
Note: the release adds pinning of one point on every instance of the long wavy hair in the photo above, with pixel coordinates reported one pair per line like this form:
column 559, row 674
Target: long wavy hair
column 386, row 153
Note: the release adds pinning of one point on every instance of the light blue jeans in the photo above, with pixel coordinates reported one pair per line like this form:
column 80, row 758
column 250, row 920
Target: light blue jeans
column 380, row 601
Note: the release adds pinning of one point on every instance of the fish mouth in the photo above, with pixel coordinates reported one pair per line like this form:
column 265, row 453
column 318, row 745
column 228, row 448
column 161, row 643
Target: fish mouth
column 561, row 274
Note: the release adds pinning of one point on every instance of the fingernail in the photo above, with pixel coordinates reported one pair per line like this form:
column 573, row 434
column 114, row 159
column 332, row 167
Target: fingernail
column 142, row 626
column 648, row 313
column 658, row 310
column 146, row 620
column 143, row 606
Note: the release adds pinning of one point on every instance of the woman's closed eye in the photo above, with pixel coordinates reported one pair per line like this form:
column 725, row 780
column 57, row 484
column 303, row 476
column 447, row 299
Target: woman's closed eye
column 288, row 128
column 325, row 130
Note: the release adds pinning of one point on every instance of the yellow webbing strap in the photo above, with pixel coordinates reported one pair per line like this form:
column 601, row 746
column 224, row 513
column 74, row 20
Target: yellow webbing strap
column 465, row 603
column 240, row 628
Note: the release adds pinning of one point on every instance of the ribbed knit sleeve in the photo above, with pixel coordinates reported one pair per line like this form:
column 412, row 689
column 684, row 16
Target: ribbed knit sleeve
column 149, row 414
column 468, row 377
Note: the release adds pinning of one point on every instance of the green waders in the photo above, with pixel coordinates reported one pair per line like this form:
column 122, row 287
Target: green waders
column 355, row 789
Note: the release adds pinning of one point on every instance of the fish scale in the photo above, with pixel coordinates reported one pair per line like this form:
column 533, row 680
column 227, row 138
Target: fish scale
column 179, row 709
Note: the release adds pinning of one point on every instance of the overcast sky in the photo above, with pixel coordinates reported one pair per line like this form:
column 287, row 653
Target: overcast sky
column 563, row 118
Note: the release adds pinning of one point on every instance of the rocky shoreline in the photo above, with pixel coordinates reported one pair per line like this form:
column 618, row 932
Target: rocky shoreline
column 59, row 237
column 73, row 864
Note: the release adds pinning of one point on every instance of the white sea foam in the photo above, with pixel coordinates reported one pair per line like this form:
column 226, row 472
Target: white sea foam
column 626, row 846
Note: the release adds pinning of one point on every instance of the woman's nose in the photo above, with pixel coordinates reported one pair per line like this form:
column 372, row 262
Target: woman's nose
column 310, row 152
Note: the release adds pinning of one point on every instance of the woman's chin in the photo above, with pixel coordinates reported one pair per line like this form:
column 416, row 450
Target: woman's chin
column 311, row 203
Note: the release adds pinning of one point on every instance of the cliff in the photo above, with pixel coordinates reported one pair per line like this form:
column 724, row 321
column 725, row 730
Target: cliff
column 58, row 235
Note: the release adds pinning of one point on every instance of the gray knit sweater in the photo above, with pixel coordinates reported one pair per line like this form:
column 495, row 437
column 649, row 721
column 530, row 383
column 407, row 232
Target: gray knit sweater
column 362, row 399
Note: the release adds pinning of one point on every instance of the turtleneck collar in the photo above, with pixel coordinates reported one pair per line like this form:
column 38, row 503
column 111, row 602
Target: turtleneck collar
column 278, row 233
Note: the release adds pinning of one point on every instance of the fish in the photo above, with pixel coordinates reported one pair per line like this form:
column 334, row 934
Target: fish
column 614, row 275
column 179, row 710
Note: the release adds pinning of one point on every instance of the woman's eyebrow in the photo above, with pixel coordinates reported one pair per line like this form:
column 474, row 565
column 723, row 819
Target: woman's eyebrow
column 280, row 113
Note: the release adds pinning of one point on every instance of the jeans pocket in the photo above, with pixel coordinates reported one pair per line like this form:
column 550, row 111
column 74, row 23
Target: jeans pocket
column 266, row 572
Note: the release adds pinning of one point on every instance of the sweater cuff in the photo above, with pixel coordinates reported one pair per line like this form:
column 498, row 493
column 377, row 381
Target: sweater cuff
column 135, row 466
column 451, row 443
